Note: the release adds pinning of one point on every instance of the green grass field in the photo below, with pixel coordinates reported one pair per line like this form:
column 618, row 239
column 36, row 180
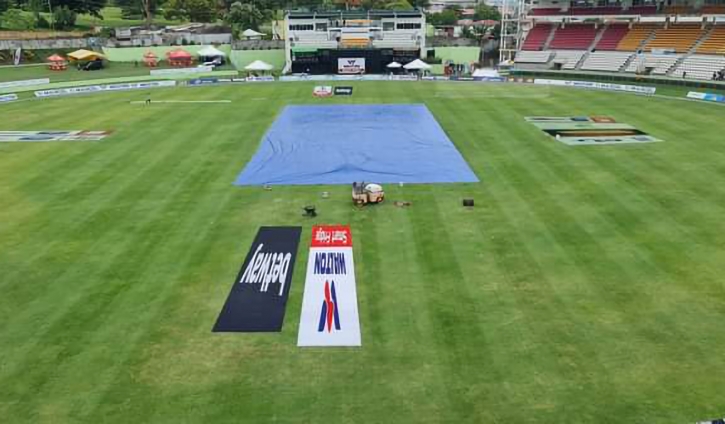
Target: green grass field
column 586, row 286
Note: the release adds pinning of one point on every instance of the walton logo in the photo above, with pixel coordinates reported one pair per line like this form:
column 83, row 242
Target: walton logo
column 329, row 313
column 351, row 62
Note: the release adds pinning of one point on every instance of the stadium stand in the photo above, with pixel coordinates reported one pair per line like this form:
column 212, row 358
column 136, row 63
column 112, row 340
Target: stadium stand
column 605, row 10
column 354, row 41
column 641, row 10
column 312, row 39
column 606, row 61
column 660, row 63
column 715, row 43
column 547, row 11
column 699, row 67
column 537, row 37
column 533, row 57
column 635, row 37
column 713, row 9
column 395, row 40
column 568, row 58
column 677, row 9
column 680, row 38
column 574, row 37
column 611, row 37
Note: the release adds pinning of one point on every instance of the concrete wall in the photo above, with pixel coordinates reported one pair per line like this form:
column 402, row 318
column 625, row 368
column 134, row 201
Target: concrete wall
column 68, row 43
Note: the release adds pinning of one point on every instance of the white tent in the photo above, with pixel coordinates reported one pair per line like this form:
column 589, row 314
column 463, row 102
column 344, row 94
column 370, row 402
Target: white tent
column 211, row 51
column 417, row 65
column 394, row 65
column 258, row 65
column 250, row 33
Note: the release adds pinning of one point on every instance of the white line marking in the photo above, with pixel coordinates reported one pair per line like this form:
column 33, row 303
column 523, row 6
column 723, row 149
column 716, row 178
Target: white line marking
column 181, row 101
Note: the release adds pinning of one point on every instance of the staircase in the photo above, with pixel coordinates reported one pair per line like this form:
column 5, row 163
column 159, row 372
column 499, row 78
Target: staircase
column 646, row 40
column 628, row 62
column 599, row 36
column 690, row 52
column 676, row 65
column 701, row 40
column 550, row 37
column 581, row 61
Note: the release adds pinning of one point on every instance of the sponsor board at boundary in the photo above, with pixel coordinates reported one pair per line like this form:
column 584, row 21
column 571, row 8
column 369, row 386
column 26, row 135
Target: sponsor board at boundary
column 105, row 87
column 350, row 65
column 597, row 85
column 8, row 98
column 178, row 71
column 38, row 136
column 203, row 81
column 589, row 130
column 343, row 91
column 268, row 78
column 322, row 91
column 329, row 305
column 258, row 298
column 710, row 97
column 24, row 83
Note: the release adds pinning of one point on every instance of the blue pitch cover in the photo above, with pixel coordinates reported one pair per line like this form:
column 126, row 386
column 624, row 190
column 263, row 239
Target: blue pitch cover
column 339, row 144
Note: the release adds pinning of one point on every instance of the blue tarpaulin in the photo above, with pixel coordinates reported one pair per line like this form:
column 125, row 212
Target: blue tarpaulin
column 339, row 144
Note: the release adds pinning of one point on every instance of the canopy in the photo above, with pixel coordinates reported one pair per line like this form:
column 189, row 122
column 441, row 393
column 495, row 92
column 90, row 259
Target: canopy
column 417, row 64
column 258, row 65
column 56, row 58
column 179, row 54
column 211, row 51
column 251, row 33
column 85, row 55
column 150, row 55
column 394, row 65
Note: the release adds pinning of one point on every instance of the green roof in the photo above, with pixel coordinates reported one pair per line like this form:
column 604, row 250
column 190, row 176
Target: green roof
column 304, row 49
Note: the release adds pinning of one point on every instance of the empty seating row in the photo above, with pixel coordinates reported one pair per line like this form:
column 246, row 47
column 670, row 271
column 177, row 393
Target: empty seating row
column 641, row 10
column 568, row 59
column 660, row 63
column 537, row 37
column 679, row 38
column 713, row 9
column 715, row 42
column 699, row 67
column 611, row 37
column 636, row 36
column 604, row 10
column 547, row 11
column 533, row 57
column 606, row 61
column 354, row 42
column 574, row 36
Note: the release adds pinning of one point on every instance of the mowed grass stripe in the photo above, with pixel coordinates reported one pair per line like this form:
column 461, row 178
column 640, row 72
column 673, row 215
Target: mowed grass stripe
column 545, row 333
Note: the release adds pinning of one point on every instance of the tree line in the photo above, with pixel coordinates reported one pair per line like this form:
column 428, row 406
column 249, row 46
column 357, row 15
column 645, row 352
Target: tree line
column 238, row 14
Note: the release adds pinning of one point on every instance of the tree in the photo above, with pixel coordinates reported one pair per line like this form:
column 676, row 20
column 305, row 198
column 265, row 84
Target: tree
column 420, row 4
column 91, row 7
column 446, row 17
column 4, row 5
column 398, row 5
column 64, row 18
column 486, row 12
column 135, row 8
column 193, row 10
column 246, row 15
column 17, row 20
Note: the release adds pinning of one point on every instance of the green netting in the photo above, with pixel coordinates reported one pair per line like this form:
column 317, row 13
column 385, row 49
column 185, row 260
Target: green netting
column 304, row 50
column 131, row 54
column 458, row 54
column 242, row 58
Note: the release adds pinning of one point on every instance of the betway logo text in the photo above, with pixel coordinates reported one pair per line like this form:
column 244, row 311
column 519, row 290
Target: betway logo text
column 267, row 268
column 330, row 263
